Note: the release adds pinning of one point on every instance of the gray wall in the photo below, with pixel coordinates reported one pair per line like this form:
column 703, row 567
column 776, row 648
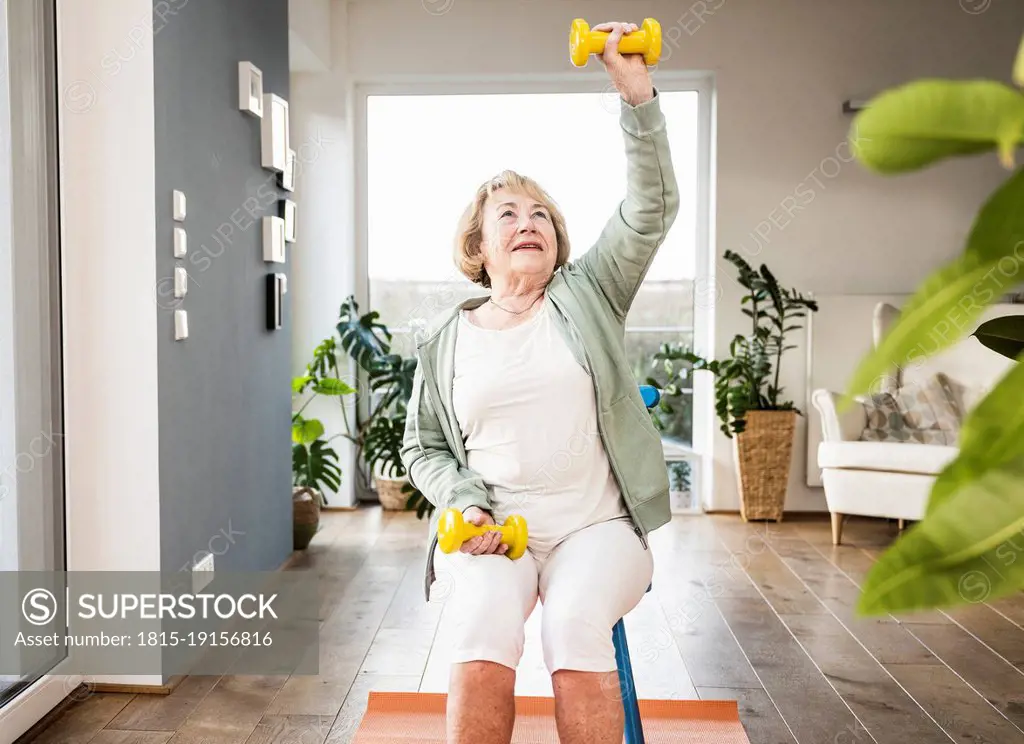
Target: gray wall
column 225, row 410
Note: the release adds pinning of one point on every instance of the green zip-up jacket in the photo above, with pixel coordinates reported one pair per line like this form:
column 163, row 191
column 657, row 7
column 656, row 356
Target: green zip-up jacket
column 589, row 299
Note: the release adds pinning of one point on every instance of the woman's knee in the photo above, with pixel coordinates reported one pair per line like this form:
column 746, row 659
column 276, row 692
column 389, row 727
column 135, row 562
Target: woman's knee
column 577, row 638
column 486, row 609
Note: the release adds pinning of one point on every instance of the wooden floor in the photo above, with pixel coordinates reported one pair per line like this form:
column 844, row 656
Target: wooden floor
column 759, row 613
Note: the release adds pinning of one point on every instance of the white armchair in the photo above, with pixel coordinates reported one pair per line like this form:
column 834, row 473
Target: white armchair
column 894, row 479
column 872, row 479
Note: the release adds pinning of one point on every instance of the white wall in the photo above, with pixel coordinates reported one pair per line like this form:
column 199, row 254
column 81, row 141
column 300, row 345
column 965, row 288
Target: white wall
column 309, row 35
column 105, row 75
column 323, row 274
column 782, row 73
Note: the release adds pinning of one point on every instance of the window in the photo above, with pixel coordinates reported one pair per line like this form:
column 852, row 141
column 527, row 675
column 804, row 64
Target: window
column 427, row 154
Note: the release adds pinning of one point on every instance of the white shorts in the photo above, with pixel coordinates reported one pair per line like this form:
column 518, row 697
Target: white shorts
column 585, row 584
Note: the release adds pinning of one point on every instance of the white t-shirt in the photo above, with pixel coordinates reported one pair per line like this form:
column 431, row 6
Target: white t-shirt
column 528, row 415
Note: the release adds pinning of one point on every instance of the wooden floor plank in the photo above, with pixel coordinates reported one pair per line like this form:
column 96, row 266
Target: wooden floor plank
column 993, row 629
column 165, row 712
column 957, row 708
column 231, row 710
column 345, row 639
column 883, row 636
column 710, row 653
column 83, row 719
column 758, row 714
column 291, row 730
column 111, row 736
column 807, row 702
column 883, row 708
column 1011, row 607
column 994, row 678
column 351, row 714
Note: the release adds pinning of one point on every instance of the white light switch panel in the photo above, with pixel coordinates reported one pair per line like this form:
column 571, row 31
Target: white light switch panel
column 179, row 205
column 180, row 242
column 180, row 282
column 180, row 325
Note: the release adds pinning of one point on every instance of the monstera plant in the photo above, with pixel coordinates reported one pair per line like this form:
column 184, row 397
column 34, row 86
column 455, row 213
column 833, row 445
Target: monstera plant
column 969, row 546
column 379, row 425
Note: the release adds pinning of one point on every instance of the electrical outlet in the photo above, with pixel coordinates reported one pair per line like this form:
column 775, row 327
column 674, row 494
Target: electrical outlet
column 202, row 573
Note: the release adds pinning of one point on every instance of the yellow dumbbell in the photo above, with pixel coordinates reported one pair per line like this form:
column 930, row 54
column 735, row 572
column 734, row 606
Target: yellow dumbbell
column 583, row 42
column 453, row 530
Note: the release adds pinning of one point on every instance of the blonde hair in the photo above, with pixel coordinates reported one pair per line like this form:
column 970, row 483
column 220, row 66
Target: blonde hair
column 469, row 255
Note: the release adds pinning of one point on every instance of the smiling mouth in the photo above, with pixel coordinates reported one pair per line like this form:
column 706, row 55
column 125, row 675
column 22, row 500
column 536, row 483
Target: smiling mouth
column 527, row 247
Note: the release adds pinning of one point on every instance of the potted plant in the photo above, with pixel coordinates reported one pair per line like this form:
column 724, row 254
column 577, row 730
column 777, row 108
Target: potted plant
column 378, row 425
column 380, row 421
column 748, row 397
column 314, row 465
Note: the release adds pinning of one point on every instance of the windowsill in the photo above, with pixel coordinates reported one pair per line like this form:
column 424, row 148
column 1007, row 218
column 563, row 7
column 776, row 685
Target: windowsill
column 674, row 448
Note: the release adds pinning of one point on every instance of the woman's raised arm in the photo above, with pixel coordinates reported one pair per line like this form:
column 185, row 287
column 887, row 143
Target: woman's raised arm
column 619, row 260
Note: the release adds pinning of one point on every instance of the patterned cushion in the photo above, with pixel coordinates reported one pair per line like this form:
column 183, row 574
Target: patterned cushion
column 925, row 414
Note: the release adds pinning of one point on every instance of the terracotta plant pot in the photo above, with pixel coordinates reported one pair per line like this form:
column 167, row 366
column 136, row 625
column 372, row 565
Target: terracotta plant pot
column 305, row 516
column 763, row 453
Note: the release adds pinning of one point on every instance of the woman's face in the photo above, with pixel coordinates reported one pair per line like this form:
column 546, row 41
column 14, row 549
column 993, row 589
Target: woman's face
column 518, row 236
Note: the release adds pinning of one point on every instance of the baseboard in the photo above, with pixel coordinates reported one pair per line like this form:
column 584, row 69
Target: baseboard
column 809, row 515
column 164, row 689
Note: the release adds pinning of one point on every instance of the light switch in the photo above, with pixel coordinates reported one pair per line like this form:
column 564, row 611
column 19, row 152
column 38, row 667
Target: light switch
column 180, row 325
column 179, row 205
column 180, row 242
column 180, row 282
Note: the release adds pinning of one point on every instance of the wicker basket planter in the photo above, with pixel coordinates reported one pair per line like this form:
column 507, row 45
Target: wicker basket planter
column 763, row 453
column 390, row 493
column 305, row 516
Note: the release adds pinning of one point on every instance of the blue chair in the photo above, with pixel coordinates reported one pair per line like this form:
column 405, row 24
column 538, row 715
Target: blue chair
column 634, row 729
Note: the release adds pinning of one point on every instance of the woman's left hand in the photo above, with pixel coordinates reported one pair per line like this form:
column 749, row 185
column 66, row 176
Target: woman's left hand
column 628, row 72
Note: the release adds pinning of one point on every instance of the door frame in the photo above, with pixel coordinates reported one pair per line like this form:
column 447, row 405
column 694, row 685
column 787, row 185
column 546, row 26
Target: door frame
column 36, row 76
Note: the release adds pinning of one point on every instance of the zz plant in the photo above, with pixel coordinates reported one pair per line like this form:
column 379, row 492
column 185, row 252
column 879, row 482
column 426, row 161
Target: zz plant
column 748, row 379
column 970, row 545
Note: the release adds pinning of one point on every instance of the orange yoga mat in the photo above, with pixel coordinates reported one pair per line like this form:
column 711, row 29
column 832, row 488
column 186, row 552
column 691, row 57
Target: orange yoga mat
column 418, row 718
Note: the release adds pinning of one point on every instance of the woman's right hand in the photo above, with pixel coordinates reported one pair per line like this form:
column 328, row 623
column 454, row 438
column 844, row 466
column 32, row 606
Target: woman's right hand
column 488, row 543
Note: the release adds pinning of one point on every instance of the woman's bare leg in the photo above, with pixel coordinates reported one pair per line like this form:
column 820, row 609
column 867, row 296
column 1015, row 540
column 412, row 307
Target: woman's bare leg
column 588, row 709
column 481, row 703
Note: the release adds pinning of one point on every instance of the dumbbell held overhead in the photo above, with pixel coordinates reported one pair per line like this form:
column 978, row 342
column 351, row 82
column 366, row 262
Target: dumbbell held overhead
column 453, row 530
column 583, row 42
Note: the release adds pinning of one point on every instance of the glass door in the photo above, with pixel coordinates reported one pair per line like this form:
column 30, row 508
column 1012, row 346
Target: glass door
column 31, row 414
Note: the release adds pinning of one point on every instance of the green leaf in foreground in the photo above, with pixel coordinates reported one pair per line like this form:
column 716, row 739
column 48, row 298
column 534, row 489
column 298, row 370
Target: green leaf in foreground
column 1018, row 66
column 991, row 435
column 920, row 123
column 998, row 229
column 1003, row 335
column 971, row 549
column 924, row 327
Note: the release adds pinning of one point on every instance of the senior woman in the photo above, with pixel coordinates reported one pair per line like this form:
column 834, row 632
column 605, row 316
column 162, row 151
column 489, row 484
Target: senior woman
column 524, row 403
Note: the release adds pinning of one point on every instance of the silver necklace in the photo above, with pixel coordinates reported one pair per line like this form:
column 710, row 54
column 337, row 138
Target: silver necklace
column 515, row 312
